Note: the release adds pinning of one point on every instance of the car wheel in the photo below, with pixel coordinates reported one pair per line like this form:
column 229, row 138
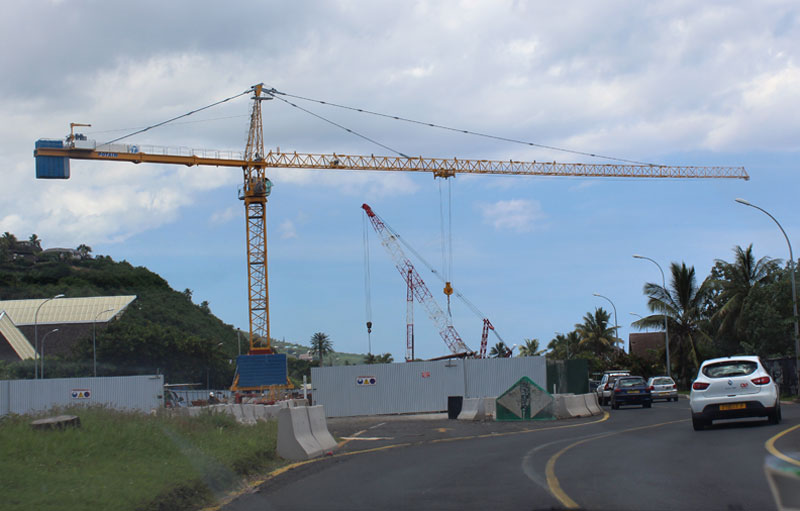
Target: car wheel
column 698, row 424
column 775, row 415
column 647, row 404
column 614, row 406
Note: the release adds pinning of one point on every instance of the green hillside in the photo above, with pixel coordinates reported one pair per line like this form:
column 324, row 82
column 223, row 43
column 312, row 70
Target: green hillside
column 162, row 331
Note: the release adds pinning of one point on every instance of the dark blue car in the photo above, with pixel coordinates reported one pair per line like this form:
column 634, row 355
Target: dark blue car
column 631, row 390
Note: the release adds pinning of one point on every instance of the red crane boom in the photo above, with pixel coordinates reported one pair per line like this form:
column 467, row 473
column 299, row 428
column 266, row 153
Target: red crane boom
column 417, row 286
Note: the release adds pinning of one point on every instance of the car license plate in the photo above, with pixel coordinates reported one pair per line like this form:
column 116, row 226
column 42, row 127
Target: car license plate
column 633, row 392
column 734, row 406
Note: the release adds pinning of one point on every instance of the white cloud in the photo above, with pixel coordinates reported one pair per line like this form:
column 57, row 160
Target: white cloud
column 519, row 215
column 224, row 216
column 287, row 229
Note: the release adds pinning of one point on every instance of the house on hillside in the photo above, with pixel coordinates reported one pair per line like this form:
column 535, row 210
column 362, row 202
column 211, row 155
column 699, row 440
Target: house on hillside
column 63, row 254
column 24, row 250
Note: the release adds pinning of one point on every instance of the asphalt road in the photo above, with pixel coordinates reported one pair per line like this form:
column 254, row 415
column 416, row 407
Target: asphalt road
column 630, row 459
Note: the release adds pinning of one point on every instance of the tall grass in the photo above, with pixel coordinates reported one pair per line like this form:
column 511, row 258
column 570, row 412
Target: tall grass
column 128, row 461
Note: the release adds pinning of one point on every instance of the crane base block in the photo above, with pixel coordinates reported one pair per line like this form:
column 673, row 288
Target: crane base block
column 260, row 371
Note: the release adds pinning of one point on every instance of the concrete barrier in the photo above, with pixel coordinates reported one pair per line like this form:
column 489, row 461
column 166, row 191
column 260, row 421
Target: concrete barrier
column 490, row 406
column 560, row 407
column 576, row 406
column 249, row 413
column 295, row 440
column 236, row 411
column 472, row 409
column 591, row 403
column 319, row 427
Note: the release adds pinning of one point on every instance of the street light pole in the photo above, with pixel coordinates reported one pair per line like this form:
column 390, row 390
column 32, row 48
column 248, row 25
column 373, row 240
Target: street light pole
column 616, row 325
column 794, row 289
column 43, row 339
column 666, row 327
column 94, row 338
column 36, row 335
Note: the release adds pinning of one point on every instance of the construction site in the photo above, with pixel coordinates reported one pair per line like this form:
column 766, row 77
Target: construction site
column 262, row 369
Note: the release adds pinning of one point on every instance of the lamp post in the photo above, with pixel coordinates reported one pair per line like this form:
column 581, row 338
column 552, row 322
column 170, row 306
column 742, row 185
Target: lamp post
column 666, row 327
column 43, row 339
column 94, row 338
column 616, row 325
column 36, row 334
column 794, row 288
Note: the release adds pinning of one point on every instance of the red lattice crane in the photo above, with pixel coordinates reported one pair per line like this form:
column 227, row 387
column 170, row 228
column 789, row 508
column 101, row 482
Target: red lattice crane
column 417, row 288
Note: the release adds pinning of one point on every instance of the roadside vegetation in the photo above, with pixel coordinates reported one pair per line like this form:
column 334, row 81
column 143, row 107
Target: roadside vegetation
column 128, row 461
column 741, row 307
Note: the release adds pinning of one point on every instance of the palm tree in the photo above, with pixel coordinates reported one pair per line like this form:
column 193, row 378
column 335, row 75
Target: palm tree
column 9, row 240
column 36, row 242
column 84, row 250
column 530, row 348
column 684, row 304
column 321, row 345
column 564, row 346
column 500, row 350
column 596, row 334
column 734, row 281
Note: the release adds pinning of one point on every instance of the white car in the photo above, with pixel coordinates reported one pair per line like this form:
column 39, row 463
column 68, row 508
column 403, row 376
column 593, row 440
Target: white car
column 733, row 388
column 663, row 387
column 606, row 385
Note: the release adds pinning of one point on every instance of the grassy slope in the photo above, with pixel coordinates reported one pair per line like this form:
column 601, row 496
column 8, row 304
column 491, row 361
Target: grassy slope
column 129, row 461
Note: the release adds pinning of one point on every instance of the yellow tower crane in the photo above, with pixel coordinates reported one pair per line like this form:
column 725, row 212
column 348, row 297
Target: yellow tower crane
column 52, row 162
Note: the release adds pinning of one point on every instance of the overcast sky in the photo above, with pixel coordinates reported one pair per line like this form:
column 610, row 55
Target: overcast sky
column 676, row 83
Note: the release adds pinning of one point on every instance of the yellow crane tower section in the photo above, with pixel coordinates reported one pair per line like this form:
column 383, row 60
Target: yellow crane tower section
column 52, row 162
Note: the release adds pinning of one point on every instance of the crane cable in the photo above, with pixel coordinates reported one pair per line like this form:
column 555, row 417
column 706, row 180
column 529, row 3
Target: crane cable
column 471, row 306
column 458, row 130
column 367, row 286
column 272, row 93
column 179, row 117
column 446, row 232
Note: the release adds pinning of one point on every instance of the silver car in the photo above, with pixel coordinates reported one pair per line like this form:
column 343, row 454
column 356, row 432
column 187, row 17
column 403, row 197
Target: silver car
column 663, row 387
column 606, row 385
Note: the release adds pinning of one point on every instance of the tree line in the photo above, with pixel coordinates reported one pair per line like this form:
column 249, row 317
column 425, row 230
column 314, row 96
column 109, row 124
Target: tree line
column 741, row 307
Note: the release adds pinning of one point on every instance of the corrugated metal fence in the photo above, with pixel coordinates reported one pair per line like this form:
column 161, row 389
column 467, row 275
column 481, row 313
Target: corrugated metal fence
column 141, row 393
column 415, row 387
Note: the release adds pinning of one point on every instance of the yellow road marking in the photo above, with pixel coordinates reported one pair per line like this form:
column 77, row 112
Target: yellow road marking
column 770, row 446
column 442, row 430
column 550, row 469
column 250, row 485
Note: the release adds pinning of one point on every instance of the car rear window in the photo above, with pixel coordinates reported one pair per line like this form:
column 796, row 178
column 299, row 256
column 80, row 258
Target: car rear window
column 730, row 368
column 663, row 381
column 630, row 382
